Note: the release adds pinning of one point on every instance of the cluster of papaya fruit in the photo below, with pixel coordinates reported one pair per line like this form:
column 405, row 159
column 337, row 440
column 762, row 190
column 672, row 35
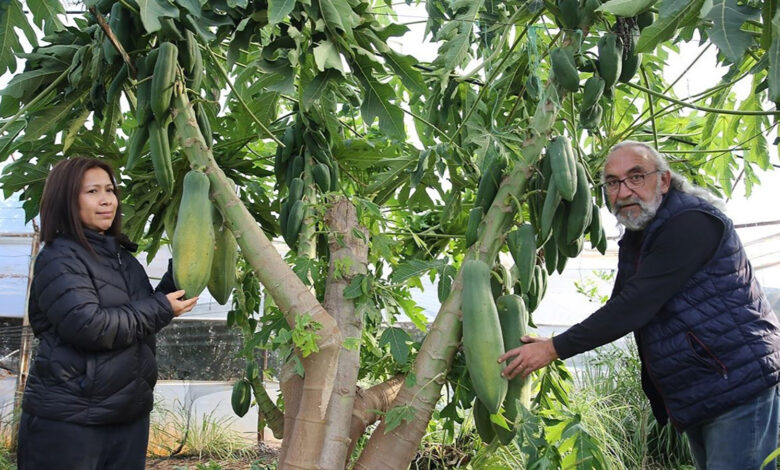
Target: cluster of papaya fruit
column 205, row 251
column 491, row 326
column 616, row 60
column 304, row 157
column 561, row 213
column 155, row 81
column 561, row 206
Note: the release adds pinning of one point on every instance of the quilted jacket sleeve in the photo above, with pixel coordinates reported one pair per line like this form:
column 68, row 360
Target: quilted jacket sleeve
column 166, row 284
column 66, row 293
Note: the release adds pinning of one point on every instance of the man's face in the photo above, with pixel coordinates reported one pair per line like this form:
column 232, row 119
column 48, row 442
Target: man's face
column 636, row 200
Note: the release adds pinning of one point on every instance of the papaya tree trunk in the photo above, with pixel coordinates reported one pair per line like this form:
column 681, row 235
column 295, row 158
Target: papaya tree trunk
column 396, row 449
column 290, row 384
column 348, row 258
column 290, row 294
column 370, row 405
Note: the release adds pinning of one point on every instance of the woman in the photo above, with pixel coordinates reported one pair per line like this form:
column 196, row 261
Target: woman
column 90, row 388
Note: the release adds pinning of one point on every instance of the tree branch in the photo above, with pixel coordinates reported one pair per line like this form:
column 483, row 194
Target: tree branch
column 349, row 253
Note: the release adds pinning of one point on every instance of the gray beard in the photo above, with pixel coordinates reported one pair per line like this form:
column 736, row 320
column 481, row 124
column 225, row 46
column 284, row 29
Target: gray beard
column 646, row 213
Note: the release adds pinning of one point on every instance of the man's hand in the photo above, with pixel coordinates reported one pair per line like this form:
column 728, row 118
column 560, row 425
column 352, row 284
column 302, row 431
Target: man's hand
column 535, row 354
column 180, row 306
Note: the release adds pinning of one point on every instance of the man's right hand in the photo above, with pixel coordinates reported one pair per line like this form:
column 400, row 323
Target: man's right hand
column 180, row 306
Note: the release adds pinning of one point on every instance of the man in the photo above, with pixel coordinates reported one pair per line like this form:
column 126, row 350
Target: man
column 707, row 337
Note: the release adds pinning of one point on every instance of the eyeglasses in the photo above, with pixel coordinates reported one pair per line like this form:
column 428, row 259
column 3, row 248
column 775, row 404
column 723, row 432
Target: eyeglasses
column 632, row 182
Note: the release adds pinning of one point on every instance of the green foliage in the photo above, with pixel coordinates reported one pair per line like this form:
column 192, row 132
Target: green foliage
column 173, row 430
column 615, row 411
column 12, row 16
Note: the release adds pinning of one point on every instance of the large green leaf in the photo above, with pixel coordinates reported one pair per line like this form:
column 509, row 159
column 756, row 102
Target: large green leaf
column 279, row 10
column 403, row 66
column 414, row 268
column 377, row 101
column 12, row 17
column 152, row 10
column 49, row 119
column 46, row 14
column 398, row 340
column 326, row 56
column 8, row 141
column 313, row 90
column 754, row 128
column 670, row 14
column 774, row 60
column 24, row 85
column 457, row 37
column 338, row 16
column 626, row 8
column 727, row 18
column 192, row 6
column 20, row 174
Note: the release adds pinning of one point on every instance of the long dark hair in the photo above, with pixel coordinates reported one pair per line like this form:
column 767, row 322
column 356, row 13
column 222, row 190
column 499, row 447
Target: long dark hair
column 60, row 200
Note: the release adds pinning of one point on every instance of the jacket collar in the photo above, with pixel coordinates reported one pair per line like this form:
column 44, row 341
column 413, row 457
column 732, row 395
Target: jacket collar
column 108, row 244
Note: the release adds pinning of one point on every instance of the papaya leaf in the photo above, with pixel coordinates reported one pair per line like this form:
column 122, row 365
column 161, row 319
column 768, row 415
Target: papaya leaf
column 414, row 268
column 42, row 123
column 8, row 141
column 398, row 340
column 20, row 174
column 192, row 6
column 279, row 10
column 403, row 66
column 338, row 15
column 200, row 27
column 774, row 60
column 355, row 288
column 317, row 86
column 456, row 37
column 376, row 101
column 46, row 15
column 670, row 15
column 12, row 17
column 396, row 415
column 626, row 8
column 754, row 128
column 73, row 128
column 152, row 10
column 25, row 85
column 326, row 56
column 414, row 313
column 727, row 18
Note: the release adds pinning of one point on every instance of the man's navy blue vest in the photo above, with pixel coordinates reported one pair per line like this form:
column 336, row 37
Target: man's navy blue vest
column 716, row 343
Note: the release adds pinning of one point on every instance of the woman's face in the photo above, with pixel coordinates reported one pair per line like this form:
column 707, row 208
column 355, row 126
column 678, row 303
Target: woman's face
column 97, row 200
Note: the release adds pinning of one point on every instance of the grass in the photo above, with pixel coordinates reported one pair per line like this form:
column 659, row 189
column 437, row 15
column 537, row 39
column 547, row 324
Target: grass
column 616, row 412
column 7, row 454
column 6, row 461
column 173, row 431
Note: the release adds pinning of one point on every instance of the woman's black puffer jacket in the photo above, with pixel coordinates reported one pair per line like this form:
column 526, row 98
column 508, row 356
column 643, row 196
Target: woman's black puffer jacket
column 95, row 316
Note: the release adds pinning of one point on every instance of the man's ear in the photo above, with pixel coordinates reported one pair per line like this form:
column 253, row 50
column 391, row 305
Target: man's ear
column 666, row 181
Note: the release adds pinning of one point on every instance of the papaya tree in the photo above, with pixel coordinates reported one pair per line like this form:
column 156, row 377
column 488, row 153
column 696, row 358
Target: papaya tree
column 235, row 122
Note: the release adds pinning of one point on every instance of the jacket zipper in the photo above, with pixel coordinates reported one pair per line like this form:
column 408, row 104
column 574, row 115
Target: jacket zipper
column 721, row 366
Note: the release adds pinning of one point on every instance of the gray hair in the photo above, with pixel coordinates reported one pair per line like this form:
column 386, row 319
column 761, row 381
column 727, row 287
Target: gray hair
column 678, row 182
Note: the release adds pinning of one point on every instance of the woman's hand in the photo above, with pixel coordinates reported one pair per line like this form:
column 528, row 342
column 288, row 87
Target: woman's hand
column 537, row 353
column 180, row 306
